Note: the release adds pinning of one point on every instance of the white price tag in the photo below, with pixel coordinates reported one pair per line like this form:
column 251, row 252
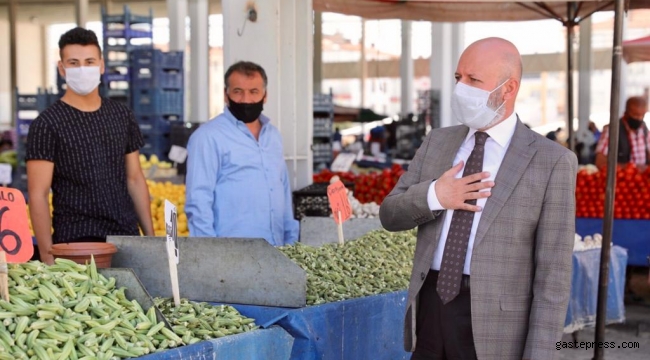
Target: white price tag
column 178, row 154
column 5, row 174
column 343, row 162
column 171, row 226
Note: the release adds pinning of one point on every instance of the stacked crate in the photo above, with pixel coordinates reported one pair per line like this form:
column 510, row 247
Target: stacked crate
column 322, row 130
column 158, row 102
column 123, row 34
column 28, row 107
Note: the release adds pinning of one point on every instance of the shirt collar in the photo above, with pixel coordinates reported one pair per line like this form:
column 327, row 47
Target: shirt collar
column 501, row 133
column 263, row 118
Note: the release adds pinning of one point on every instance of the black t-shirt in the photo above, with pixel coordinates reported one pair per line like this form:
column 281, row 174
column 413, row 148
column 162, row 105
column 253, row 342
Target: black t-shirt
column 90, row 195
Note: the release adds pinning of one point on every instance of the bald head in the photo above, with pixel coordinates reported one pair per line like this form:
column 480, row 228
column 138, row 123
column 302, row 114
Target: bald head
column 494, row 65
column 500, row 53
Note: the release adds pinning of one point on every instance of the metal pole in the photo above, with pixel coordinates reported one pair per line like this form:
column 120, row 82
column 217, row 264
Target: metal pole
column 318, row 52
column 13, row 69
column 570, row 27
column 364, row 63
column 406, row 69
column 608, row 219
column 81, row 12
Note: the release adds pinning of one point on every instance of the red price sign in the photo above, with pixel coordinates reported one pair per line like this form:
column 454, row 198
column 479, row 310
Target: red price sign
column 339, row 202
column 15, row 237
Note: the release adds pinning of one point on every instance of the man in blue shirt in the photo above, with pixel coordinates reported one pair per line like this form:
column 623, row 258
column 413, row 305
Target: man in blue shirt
column 237, row 180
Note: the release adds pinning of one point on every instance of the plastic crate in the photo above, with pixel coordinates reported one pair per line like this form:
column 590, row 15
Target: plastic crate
column 23, row 126
column 31, row 102
column 150, row 58
column 145, row 78
column 116, row 76
column 127, row 17
column 156, row 144
column 127, row 33
column 312, row 200
column 157, row 124
column 128, row 47
column 323, row 103
column 158, row 101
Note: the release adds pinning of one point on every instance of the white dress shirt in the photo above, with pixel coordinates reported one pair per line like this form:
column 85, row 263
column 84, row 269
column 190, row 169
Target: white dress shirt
column 495, row 149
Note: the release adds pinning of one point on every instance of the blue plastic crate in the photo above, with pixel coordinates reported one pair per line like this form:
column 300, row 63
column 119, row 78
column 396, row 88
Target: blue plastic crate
column 146, row 78
column 109, row 77
column 150, row 58
column 31, row 102
column 128, row 48
column 127, row 33
column 127, row 17
column 118, row 63
column 156, row 144
column 158, row 101
column 157, row 124
column 23, row 126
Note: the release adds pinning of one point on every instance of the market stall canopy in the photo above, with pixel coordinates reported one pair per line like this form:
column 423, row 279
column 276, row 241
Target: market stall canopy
column 360, row 115
column 463, row 10
column 636, row 50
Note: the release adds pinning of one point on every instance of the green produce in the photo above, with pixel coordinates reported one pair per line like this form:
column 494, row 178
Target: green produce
column 194, row 321
column 70, row 311
column 9, row 157
column 378, row 262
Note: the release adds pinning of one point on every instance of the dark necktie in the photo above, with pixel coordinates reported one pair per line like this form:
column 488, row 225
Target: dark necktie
column 453, row 259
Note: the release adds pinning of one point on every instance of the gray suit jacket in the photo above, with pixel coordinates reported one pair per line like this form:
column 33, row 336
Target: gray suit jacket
column 521, row 260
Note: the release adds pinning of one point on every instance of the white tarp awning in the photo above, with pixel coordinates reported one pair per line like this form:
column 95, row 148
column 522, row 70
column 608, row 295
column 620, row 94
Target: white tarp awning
column 636, row 50
column 464, row 10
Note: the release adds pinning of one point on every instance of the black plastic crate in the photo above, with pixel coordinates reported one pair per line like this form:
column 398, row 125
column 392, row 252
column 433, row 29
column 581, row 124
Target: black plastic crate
column 312, row 200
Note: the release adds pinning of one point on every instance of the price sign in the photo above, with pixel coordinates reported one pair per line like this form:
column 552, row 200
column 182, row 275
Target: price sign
column 178, row 154
column 337, row 195
column 171, row 227
column 172, row 249
column 343, row 162
column 5, row 174
column 15, row 237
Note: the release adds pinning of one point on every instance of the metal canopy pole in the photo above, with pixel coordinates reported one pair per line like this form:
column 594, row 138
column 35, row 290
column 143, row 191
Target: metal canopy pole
column 570, row 35
column 13, row 69
column 608, row 219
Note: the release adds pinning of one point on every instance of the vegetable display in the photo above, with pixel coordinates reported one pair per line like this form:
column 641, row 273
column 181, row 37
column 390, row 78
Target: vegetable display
column 378, row 262
column 194, row 321
column 70, row 311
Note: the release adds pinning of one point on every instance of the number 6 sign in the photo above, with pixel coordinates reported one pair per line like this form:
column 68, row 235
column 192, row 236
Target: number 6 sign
column 15, row 237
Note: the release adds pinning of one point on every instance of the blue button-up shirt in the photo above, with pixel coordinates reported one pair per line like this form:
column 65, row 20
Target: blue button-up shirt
column 238, row 186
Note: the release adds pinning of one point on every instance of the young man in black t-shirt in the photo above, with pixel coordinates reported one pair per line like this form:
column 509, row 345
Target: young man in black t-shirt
column 86, row 149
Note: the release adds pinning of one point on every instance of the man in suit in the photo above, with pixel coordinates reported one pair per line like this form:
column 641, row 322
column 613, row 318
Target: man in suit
column 492, row 267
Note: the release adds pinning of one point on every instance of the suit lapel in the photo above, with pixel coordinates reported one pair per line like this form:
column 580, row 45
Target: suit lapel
column 444, row 150
column 513, row 166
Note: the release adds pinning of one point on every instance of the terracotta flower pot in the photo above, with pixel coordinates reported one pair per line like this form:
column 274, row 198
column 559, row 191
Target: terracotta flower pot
column 80, row 252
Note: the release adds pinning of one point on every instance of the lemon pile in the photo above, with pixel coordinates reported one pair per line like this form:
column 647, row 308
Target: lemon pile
column 158, row 191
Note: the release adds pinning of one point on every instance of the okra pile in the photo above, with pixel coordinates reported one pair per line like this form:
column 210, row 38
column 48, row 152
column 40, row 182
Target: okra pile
column 70, row 311
column 194, row 320
column 378, row 262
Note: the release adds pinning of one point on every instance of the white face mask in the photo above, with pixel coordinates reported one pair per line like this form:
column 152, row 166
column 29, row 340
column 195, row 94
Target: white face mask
column 470, row 106
column 82, row 80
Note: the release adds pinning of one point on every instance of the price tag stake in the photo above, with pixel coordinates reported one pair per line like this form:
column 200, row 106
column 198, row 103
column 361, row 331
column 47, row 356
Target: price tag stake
column 337, row 195
column 172, row 249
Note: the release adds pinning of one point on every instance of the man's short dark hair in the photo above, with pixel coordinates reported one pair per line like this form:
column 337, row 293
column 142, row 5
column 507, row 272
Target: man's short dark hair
column 78, row 36
column 247, row 68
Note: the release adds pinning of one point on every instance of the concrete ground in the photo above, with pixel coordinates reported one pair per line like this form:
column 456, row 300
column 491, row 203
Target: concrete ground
column 635, row 331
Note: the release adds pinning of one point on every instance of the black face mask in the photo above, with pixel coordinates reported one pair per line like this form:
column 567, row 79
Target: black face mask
column 634, row 123
column 246, row 112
